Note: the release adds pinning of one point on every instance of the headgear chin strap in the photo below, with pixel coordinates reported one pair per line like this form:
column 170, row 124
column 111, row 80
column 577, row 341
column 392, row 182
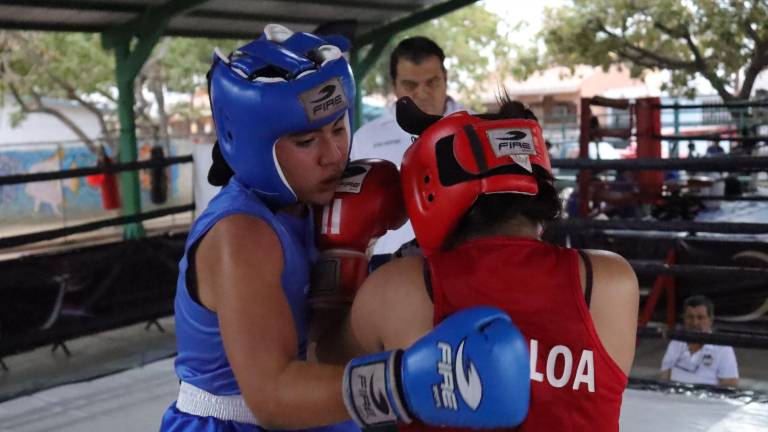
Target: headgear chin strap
column 281, row 83
column 458, row 158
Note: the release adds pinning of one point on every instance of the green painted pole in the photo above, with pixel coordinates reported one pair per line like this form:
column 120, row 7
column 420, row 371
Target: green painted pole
column 357, row 121
column 129, row 180
column 146, row 30
column 378, row 37
column 360, row 68
column 431, row 12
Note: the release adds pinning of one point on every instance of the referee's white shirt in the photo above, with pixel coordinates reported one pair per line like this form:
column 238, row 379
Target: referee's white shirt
column 382, row 138
column 705, row 366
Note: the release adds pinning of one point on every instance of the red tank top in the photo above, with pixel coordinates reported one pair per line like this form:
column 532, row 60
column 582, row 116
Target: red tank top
column 575, row 385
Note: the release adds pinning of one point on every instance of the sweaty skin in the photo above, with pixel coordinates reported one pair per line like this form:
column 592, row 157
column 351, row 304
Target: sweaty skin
column 239, row 264
column 392, row 308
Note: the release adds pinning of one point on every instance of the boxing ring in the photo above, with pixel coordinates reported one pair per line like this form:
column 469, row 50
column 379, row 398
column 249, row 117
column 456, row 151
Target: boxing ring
column 654, row 411
column 677, row 227
column 135, row 400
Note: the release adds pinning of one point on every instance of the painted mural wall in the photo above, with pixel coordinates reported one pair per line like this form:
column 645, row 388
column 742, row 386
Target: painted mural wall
column 50, row 204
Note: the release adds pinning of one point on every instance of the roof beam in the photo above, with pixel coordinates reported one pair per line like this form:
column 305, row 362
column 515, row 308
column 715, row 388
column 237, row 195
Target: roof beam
column 148, row 26
column 56, row 27
column 214, row 34
column 131, row 12
column 393, row 27
column 95, row 6
column 386, row 6
column 240, row 16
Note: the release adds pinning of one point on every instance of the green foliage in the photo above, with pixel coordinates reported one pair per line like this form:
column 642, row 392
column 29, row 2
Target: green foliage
column 75, row 67
column 473, row 49
column 713, row 39
column 187, row 60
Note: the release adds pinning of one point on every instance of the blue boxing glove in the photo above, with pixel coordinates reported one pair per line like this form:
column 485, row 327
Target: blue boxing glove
column 472, row 370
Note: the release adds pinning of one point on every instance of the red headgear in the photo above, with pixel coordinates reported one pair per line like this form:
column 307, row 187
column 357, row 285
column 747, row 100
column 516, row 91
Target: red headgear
column 459, row 157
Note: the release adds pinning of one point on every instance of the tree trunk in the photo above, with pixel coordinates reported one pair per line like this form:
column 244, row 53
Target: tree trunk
column 40, row 107
column 156, row 87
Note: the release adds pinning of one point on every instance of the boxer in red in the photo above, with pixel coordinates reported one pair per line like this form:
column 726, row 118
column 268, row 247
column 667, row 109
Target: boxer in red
column 479, row 191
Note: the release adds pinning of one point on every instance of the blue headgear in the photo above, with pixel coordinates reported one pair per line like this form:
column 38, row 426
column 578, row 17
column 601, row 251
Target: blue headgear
column 281, row 83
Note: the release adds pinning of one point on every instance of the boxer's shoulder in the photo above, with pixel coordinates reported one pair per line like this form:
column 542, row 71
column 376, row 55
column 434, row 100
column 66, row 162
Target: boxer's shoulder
column 392, row 308
column 242, row 231
column 398, row 276
column 239, row 247
column 611, row 269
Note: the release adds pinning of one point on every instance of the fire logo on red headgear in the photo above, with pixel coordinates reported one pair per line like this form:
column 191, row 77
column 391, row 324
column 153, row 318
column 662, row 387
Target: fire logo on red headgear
column 459, row 157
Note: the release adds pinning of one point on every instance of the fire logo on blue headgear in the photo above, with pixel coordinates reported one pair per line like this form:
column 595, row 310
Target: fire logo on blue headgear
column 282, row 83
column 324, row 100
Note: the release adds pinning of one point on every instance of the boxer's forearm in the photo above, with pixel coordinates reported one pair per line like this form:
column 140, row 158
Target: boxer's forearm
column 335, row 342
column 302, row 395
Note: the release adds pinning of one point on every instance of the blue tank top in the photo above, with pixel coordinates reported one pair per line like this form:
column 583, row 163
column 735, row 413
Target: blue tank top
column 201, row 360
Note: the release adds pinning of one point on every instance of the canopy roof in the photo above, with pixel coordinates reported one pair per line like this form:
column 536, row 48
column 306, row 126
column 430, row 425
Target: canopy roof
column 213, row 18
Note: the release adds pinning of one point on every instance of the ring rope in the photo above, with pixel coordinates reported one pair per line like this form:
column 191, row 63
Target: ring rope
column 80, row 172
column 730, row 163
column 703, row 271
column 23, row 239
column 577, row 225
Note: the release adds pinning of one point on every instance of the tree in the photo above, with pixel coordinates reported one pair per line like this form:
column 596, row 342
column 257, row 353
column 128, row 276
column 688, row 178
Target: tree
column 722, row 41
column 73, row 66
column 474, row 51
column 176, row 65
column 36, row 66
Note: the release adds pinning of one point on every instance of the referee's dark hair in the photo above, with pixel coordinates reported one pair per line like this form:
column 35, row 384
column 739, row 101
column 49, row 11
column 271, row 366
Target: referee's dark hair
column 414, row 49
column 700, row 300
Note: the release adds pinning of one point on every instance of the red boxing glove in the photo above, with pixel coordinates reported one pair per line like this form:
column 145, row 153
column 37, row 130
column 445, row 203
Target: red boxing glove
column 367, row 203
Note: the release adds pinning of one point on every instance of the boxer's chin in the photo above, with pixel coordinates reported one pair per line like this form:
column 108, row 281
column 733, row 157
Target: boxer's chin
column 320, row 197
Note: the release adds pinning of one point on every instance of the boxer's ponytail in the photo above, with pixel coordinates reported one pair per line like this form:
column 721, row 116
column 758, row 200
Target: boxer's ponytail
column 220, row 172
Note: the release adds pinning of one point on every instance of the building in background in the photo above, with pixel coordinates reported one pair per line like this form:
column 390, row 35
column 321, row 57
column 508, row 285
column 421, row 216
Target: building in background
column 554, row 95
column 45, row 128
column 43, row 143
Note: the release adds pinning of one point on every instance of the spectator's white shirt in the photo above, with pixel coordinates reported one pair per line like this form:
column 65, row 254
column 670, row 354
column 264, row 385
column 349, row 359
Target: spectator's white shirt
column 382, row 138
column 705, row 366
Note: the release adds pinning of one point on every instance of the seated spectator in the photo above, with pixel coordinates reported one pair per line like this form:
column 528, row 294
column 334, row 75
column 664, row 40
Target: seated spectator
column 692, row 150
column 617, row 198
column 715, row 149
column 695, row 363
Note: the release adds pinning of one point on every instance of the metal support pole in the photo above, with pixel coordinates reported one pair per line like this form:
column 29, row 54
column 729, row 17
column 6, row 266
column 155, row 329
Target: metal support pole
column 676, row 113
column 129, row 180
column 358, row 113
column 413, row 20
column 360, row 68
column 133, row 43
column 584, row 178
column 378, row 38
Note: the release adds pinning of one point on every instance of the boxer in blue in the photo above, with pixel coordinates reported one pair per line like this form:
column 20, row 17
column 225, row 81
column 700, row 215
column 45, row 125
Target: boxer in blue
column 282, row 106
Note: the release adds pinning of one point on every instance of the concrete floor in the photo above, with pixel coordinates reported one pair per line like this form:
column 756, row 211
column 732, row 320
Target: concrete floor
column 91, row 356
column 134, row 400
column 134, row 346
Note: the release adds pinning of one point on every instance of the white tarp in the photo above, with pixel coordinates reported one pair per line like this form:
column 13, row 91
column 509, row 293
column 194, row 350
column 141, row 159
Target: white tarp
column 136, row 399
